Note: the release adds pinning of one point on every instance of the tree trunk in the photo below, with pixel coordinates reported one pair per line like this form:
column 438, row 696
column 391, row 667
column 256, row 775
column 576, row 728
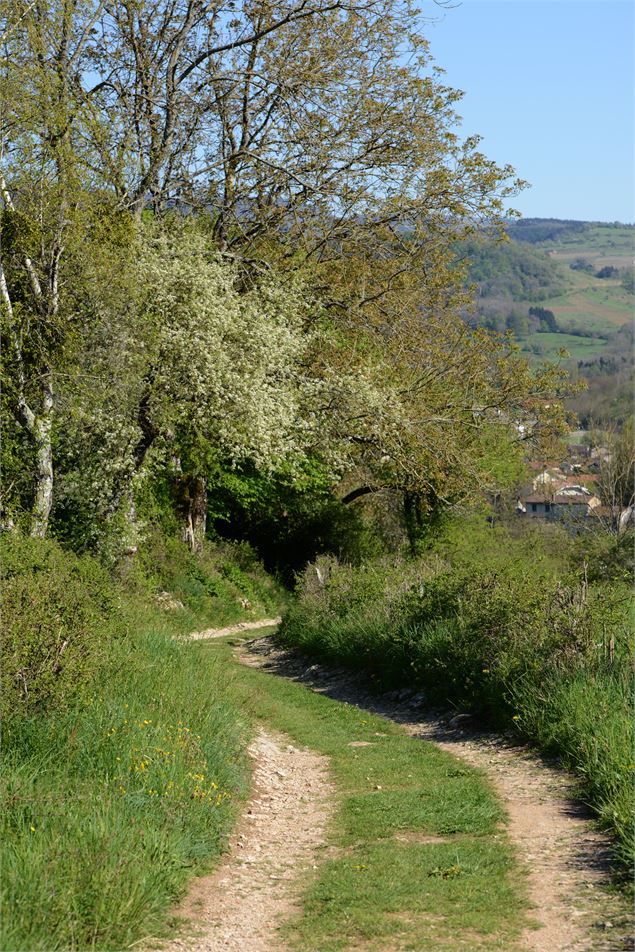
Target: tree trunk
column 413, row 519
column 193, row 495
column 42, row 432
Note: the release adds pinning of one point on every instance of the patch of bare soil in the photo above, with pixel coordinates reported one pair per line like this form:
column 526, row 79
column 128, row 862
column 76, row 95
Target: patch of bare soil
column 568, row 861
column 240, row 906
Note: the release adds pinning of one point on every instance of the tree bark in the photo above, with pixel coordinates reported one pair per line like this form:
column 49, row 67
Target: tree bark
column 42, row 432
column 193, row 497
column 357, row 494
column 413, row 519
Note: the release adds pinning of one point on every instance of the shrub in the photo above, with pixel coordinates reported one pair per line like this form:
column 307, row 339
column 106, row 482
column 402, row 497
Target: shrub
column 500, row 626
column 60, row 613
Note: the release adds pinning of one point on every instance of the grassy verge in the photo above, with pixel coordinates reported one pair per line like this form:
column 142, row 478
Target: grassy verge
column 509, row 634
column 417, row 853
column 123, row 754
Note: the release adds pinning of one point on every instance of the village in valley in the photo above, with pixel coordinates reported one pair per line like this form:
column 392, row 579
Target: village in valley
column 568, row 490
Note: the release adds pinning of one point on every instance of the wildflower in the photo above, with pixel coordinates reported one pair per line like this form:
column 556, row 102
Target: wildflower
column 485, row 670
column 516, row 717
column 32, row 829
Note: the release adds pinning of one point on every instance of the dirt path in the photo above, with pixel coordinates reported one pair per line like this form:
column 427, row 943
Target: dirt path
column 239, row 907
column 566, row 858
column 233, row 629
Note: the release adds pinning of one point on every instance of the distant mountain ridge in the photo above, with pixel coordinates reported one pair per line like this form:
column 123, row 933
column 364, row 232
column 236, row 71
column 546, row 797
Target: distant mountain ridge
column 539, row 230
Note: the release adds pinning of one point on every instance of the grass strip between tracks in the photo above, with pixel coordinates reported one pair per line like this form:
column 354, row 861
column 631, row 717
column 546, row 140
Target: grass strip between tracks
column 417, row 856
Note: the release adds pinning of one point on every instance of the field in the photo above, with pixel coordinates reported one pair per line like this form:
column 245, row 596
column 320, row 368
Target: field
column 595, row 304
column 539, row 272
column 578, row 348
column 598, row 239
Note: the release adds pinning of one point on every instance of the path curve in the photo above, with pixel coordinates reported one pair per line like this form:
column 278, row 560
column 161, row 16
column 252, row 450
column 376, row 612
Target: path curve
column 566, row 858
column 240, row 906
column 232, row 629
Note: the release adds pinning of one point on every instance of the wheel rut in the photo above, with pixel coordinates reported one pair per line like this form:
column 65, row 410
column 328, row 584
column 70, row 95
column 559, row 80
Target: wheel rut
column 241, row 905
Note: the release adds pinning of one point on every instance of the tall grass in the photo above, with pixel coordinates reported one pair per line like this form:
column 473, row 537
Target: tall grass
column 588, row 721
column 123, row 754
column 503, row 628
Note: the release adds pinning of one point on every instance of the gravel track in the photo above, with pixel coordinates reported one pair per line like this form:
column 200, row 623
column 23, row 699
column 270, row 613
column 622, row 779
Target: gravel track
column 240, row 906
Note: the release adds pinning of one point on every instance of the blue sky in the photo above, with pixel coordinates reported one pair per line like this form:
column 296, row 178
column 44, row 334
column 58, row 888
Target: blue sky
column 549, row 86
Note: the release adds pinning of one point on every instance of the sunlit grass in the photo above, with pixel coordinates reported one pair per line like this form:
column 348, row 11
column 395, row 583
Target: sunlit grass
column 109, row 808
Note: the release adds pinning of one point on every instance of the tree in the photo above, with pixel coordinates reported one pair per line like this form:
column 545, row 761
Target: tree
column 42, row 216
column 546, row 317
column 191, row 374
column 277, row 190
column 617, row 470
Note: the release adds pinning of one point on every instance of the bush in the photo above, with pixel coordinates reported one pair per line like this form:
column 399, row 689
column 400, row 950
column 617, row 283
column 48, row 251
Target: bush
column 60, row 615
column 503, row 627
column 224, row 581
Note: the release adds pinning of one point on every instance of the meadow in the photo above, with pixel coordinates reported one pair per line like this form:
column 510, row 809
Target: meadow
column 548, row 346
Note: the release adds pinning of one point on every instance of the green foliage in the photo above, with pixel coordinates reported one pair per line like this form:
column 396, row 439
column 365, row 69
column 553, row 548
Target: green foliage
column 582, row 264
column 486, row 622
column 222, row 582
column 608, row 556
column 111, row 805
column 586, row 718
column 546, row 317
column 290, row 517
column 628, row 279
column 60, row 616
column 507, row 269
column 608, row 271
column 610, row 379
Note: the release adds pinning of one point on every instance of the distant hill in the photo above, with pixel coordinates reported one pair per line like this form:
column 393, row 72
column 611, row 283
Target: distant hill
column 570, row 284
column 551, row 231
column 508, row 269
